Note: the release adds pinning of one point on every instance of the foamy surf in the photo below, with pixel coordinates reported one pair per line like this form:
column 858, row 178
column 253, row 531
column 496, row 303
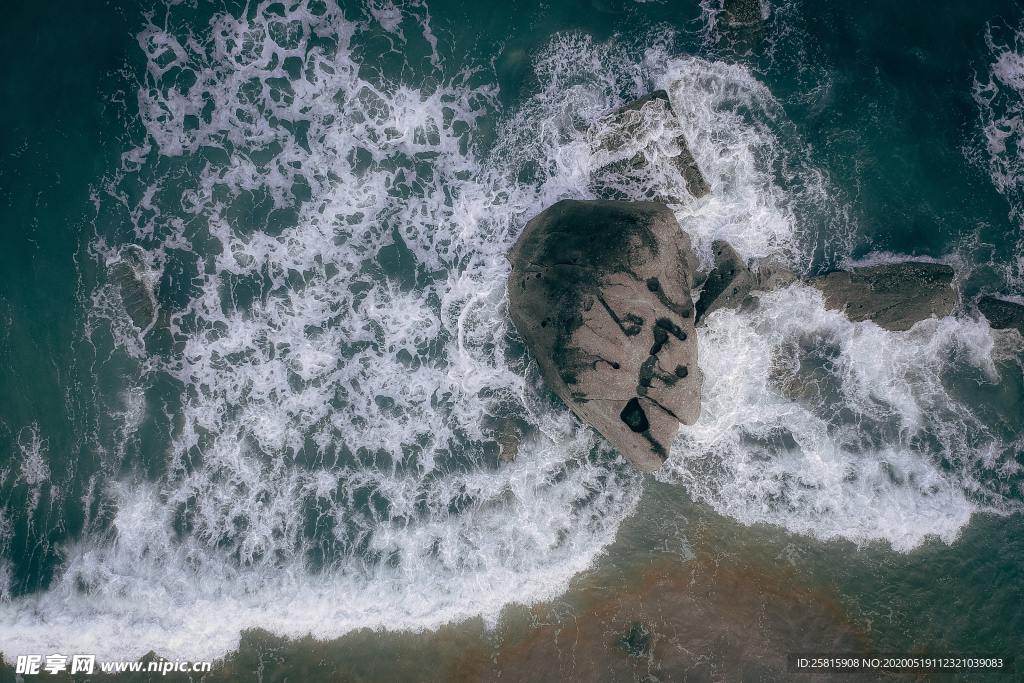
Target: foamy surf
column 998, row 92
column 839, row 429
column 338, row 383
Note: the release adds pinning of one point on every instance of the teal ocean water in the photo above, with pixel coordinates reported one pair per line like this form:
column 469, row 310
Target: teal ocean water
column 257, row 375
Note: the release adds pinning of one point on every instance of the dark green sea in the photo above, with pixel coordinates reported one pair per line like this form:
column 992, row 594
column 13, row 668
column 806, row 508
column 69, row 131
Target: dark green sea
column 261, row 401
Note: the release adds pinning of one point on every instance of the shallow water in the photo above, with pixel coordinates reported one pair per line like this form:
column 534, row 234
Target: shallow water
column 303, row 431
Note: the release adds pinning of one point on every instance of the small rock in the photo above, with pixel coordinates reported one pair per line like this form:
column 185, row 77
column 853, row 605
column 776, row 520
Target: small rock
column 894, row 296
column 137, row 297
column 1002, row 314
column 509, row 432
column 728, row 283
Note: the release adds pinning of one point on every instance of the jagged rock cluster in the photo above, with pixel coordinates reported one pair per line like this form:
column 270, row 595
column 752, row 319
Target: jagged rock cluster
column 621, row 136
column 731, row 281
column 601, row 292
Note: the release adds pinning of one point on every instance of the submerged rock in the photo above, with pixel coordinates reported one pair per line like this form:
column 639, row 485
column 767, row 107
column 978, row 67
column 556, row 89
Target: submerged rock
column 137, row 297
column 1002, row 314
column 637, row 641
column 739, row 13
column 629, row 126
column 894, row 295
column 600, row 291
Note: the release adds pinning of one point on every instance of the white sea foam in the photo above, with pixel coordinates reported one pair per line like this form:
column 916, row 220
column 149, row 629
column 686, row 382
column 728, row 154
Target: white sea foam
column 839, row 429
column 6, row 532
column 765, row 199
column 876, row 258
column 999, row 95
column 34, row 470
column 333, row 463
column 329, row 465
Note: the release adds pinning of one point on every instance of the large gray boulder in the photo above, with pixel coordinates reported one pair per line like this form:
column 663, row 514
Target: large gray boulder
column 600, row 291
column 893, row 295
column 625, row 135
column 1002, row 314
